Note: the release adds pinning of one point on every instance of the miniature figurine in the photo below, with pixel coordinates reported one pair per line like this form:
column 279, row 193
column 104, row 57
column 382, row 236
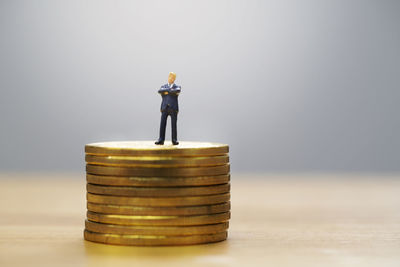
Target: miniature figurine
column 169, row 107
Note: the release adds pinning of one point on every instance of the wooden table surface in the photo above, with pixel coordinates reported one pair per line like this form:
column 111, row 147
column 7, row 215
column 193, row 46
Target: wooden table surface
column 277, row 220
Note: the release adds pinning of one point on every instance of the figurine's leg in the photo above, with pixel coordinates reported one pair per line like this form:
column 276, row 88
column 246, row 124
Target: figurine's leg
column 174, row 118
column 163, row 125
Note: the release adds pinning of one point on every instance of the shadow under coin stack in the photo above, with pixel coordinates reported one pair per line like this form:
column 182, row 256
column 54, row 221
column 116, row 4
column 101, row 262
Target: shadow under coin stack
column 142, row 194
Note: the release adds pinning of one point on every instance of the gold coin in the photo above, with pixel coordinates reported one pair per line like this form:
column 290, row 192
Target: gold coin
column 143, row 148
column 137, row 210
column 161, row 172
column 153, row 240
column 157, row 192
column 158, row 220
column 156, row 161
column 157, row 181
column 156, row 230
column 159, row 201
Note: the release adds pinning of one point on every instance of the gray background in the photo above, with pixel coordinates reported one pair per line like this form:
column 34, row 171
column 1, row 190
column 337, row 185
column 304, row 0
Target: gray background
column 289, row 85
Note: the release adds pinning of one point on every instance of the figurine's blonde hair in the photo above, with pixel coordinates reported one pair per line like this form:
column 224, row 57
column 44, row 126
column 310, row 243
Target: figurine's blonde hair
column 173, row 74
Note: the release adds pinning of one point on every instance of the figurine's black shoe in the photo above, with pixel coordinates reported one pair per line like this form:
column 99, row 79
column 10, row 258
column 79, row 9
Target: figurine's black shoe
column 159, row 142
column 175, row 143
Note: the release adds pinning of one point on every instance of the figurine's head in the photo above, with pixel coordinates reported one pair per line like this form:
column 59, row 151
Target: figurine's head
column 171, row 78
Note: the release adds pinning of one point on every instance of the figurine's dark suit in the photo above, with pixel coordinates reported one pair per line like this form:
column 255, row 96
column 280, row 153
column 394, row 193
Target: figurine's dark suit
column 169, row 106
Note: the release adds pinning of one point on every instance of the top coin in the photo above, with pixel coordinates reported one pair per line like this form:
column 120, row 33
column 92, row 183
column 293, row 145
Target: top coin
column 142, row 148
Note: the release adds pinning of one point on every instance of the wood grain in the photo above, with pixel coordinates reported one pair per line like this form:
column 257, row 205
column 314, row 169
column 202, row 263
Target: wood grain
column 277, row 220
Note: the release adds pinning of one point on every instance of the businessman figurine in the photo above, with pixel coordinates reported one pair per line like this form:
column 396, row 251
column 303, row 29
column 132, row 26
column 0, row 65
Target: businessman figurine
column 169, row 107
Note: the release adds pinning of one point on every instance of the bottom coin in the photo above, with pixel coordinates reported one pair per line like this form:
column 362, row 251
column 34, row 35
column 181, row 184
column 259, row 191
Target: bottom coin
column 156, row 230
column 153, row 240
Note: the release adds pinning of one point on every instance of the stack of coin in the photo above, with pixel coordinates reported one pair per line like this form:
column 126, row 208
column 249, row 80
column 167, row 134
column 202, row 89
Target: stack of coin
column 139, row 193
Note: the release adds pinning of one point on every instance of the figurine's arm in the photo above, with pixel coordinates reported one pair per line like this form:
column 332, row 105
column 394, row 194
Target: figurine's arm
column 175, row 91
column 163, row 90
column 166, row 91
